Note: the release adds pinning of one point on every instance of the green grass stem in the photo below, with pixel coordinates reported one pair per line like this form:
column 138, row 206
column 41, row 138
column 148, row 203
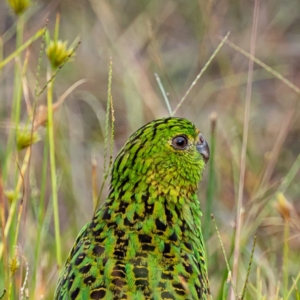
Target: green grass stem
column 53, row 173
column 211, row 177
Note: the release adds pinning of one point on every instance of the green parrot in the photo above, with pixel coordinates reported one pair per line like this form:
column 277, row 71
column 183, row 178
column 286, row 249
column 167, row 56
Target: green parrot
column 145, row 241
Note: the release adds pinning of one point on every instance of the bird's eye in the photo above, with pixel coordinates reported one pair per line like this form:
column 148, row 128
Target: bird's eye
column 180, row 142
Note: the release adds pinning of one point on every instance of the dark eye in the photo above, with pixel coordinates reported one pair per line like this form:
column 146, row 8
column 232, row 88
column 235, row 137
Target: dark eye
column 180, row 142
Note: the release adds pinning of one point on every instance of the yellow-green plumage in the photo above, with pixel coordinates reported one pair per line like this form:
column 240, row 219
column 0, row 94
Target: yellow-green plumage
column 145, row 242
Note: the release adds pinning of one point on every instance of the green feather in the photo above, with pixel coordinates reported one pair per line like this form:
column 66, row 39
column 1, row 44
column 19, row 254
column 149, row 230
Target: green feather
column 145, row 242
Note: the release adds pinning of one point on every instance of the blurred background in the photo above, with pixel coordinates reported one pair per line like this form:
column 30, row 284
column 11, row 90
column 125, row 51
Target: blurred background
column 174, row 39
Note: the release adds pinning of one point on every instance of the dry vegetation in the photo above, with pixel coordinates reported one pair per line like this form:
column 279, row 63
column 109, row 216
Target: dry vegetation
column 46, row 190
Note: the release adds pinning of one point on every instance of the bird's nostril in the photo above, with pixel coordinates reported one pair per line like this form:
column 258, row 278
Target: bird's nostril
column 201, row 138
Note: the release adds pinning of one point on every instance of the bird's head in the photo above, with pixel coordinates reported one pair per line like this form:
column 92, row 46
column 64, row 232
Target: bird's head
column 168, row 153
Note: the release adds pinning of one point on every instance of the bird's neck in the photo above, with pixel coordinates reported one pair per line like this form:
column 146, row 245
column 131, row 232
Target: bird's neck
column 153, row 202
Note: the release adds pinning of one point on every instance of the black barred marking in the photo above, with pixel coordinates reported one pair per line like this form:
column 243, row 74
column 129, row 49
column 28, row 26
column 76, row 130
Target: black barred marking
column 167, row 295
column 188, row 245
column 185, row 257
column 160, row 226
column 136, row 153
column 188, row 268
column 122, row 243
column 143, row 254
column 99, row 240
column 89, row 280
column 120, row 233
column 98, row 250
column 144, row 238
column 85, row 269
column 122, row 208
column 94, row 223
column 98, row 294
column 97, row 233
column 136, row 217
column 146, row 247
column 106, row 215
column 199, row 291
column 179, row 289
column 71, row 280
column 154, row 130
column 111, row 224
column 168, row 214
column 137, row 261
column 165, row 275
column 79, row 259
column 120, row 253
column 162, row 285
column 145, row 197
column 117, row 162
column 121, row 195
column 140, row 272
column 171, row 268
column 173, row 237
column 142, row 283
column 118, row 282
column 167, row 248
column 75, row 293
column 118, row 273
column 128, row 223
column 134, row 188
column 149, row 209
column 104, row 261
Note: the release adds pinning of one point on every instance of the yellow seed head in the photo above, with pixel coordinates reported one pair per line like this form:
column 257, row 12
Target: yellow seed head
column 12, row 196
column 26, row 138
column 283, row 207
column 19, row 6
column 14, row 264
column 58, row 53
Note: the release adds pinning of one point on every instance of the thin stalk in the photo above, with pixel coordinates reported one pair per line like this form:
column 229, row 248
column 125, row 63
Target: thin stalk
column 163, row 93
column 53, row 171
column 94, row 182
column 200, row 73
column 18, row 81
column 2, row 224
column 263, row 65
column 41, row 212
column 21, row 48
column 285, row 261
column 17, row 94
column 244, row 148
column 13, row 206
column 41, row 204
column 249, row 267
column 287, row 297
column 109, row 110
column 211, row 177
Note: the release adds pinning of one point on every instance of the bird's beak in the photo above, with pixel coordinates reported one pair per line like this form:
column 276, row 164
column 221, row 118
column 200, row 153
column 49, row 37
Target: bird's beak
column 203, row 148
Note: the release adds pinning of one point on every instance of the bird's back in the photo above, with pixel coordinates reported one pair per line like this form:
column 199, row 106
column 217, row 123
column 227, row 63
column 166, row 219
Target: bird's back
column 143, row 257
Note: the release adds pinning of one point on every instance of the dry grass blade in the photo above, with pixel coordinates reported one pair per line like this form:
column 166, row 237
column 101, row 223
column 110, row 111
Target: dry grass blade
column 201, row 73
column 163, row 93
column 223, row 250
column 244, row 149
column 262, row 64
column 41, row 115
column 22, row 48
column 277, row 146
